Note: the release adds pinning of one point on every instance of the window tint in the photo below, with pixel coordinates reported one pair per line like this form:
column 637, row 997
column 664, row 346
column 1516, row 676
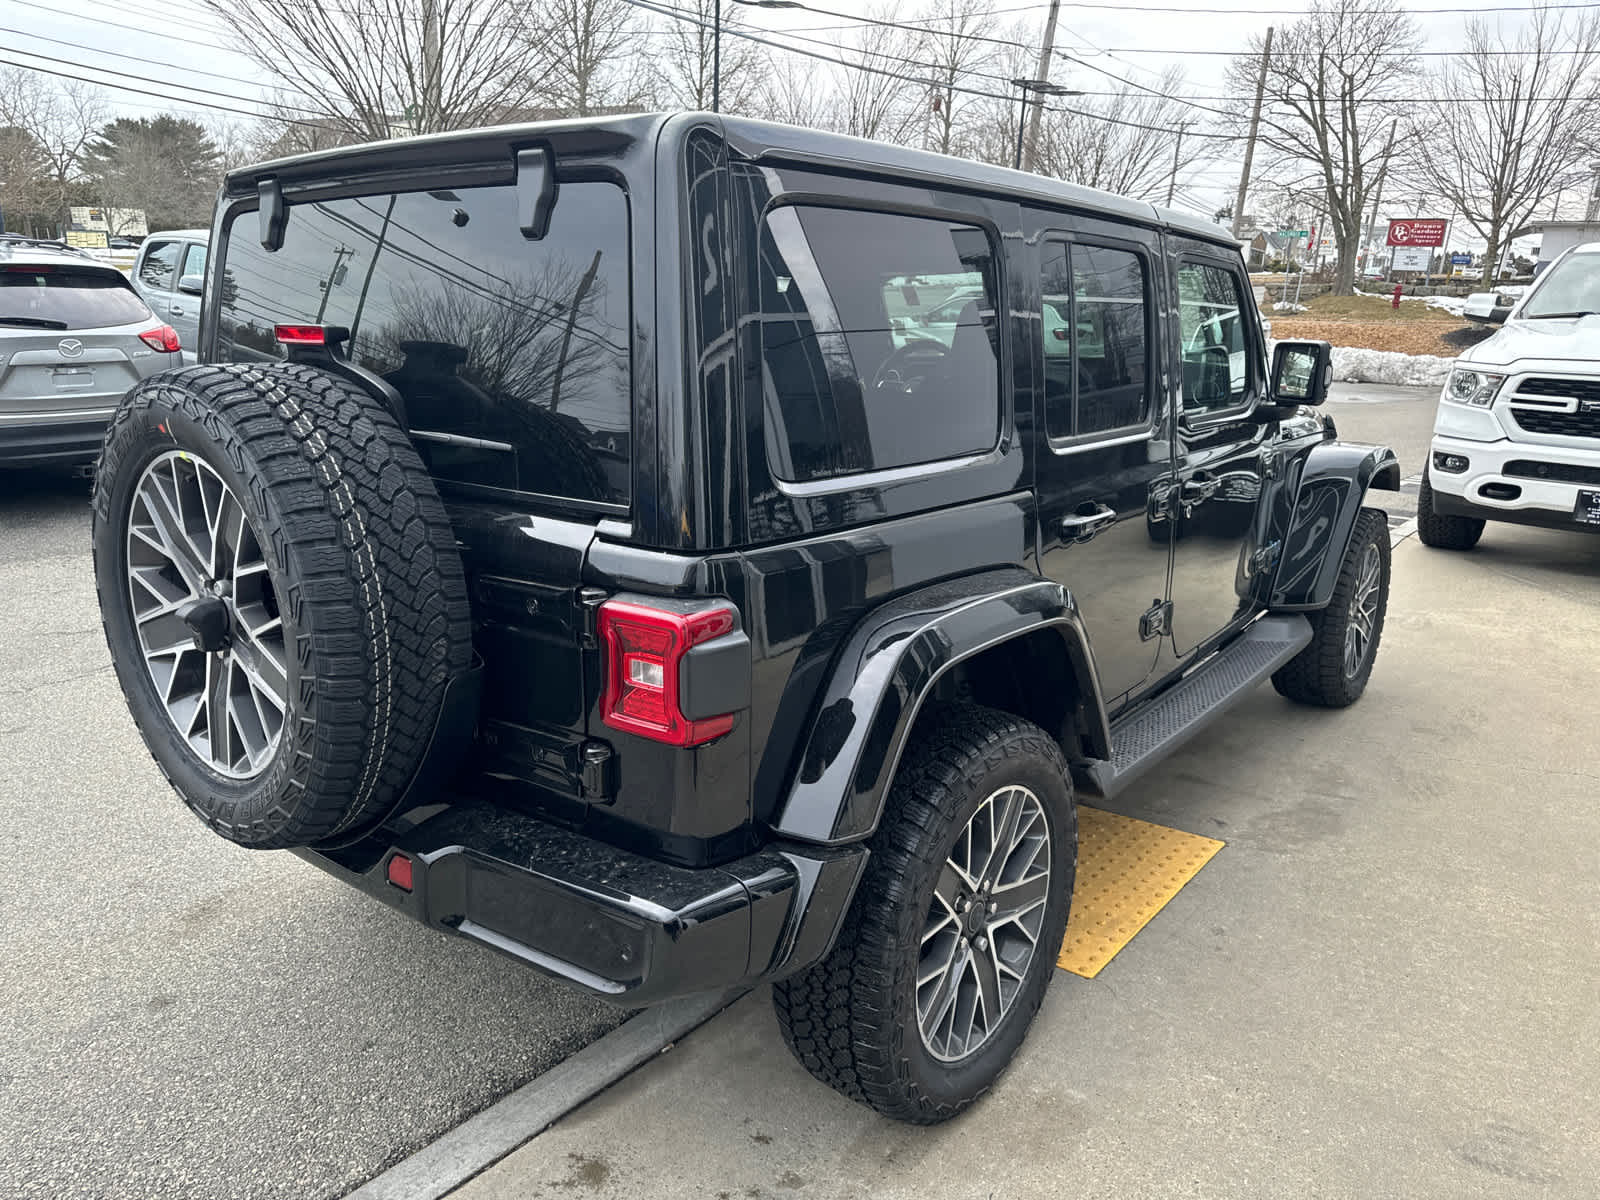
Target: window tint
column 512, row 355
column 158, row 265
column 1096, row 340
column 69, row 299
column 878, row 341
column 1216, row 355
column 194, row 260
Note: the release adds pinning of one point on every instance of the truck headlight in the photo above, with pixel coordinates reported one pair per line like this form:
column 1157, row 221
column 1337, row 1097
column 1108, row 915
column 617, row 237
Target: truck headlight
column 1476, row 388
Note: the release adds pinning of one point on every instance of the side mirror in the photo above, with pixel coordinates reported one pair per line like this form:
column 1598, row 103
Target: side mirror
column 1301, row 372
column 192, row 285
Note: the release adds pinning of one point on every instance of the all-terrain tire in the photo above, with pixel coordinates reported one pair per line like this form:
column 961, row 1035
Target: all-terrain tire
column 362, row 570
column 1444, row 531
column 852, row 1019
column 1322, row 673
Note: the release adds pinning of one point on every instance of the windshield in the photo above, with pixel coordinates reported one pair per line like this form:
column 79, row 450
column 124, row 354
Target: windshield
column 52, row 297
column 1572, row 286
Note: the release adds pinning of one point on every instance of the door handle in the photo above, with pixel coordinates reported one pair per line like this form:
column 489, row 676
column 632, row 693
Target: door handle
column 1080, row 527
column 1196, row 491
column 176, row 310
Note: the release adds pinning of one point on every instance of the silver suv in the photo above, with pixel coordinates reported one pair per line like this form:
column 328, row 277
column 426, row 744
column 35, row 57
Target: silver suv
column 74, row 336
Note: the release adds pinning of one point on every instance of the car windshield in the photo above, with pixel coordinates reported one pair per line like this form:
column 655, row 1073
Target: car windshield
column 1570, row 288
column 52, row 297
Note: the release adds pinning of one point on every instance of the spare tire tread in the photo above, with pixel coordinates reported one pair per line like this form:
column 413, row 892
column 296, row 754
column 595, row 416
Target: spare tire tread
column 370, row 583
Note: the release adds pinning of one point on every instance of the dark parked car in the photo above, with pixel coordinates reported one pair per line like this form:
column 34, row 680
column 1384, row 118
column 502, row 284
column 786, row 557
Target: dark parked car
column 569, row 542
column 73, row 338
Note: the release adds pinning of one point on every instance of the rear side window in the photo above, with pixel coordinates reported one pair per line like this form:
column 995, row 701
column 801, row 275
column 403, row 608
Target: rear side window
column 512, row 355
column 194, row 260
column 67, row 298
column 878, row 341
column 160, row 263
column 1215, row 352
column 1096, row 340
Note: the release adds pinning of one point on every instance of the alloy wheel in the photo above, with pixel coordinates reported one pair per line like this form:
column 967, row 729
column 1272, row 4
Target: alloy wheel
column 1363, row 612
column 206, row 615
column 982, row 929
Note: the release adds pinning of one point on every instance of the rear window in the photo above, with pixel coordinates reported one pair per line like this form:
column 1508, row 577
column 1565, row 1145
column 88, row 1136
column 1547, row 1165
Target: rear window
column 878, row 341
column 512, row 355
column 68, row 297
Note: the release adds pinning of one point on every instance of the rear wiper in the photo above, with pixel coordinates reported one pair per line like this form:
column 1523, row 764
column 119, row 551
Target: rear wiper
column 34, row 322
column 1556, row 316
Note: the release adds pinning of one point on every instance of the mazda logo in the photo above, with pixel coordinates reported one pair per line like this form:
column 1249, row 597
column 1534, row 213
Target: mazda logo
column 69, row 347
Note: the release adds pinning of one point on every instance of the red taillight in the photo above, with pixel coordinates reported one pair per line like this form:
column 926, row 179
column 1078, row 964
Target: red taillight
column 301, row 335
column 400, row 872
column 163, row 337
column 644, row 650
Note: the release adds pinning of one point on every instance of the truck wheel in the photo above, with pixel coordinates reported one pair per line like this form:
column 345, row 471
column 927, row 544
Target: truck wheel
column 1441, row 531
column 281, row 594
column 954, row 933
column 1333, row 670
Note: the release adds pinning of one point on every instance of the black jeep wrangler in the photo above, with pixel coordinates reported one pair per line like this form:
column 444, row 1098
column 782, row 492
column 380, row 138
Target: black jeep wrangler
column 678, row 552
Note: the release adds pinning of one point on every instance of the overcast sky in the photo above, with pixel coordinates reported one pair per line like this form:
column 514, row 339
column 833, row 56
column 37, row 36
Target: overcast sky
column 187, row 42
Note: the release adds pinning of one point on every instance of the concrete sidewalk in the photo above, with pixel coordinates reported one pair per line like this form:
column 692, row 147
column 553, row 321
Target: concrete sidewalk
column 1385, row 984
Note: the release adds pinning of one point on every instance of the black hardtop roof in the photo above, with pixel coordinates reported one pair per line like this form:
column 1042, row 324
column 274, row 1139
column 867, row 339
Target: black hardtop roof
column 756, row 139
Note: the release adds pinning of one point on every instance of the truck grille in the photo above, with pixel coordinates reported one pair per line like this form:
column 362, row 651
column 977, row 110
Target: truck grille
column 1523, row 468
column 1561, row 424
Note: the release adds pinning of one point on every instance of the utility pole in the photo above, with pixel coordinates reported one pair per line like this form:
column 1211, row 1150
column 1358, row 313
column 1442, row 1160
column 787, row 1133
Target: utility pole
column 1250, row 143
column 340, row 253
column 1377, row 197
column 431, row 119
column 1177, row 152
column 1042, row 73
column 1593, row 210
column 716, row 57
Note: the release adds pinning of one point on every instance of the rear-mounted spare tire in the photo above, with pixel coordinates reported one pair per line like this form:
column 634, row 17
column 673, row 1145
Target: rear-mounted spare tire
column 281, row 594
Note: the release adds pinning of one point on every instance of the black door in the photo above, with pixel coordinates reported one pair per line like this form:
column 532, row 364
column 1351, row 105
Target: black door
column 1104, row 453
column 1222, row 451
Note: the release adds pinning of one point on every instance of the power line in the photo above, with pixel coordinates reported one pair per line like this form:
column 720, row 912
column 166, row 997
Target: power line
column 150, row 62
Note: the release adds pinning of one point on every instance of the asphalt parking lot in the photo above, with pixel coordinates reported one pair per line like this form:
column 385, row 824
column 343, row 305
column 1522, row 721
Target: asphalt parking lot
column 1384, row 983
column 180, row 1017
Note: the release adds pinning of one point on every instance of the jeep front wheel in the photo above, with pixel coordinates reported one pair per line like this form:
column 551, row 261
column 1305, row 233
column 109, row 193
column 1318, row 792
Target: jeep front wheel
column 954, row 933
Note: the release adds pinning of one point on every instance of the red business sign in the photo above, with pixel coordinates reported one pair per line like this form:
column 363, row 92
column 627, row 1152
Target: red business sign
column 1428, row 232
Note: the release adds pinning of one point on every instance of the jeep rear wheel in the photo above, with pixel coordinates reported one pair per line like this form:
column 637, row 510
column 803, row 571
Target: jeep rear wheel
column 954, row 933
column 281, row 596
column 1444, row 532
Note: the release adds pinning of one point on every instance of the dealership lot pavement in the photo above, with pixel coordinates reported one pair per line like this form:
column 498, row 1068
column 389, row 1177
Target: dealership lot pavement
column 179, row 1017
column 1383, row 985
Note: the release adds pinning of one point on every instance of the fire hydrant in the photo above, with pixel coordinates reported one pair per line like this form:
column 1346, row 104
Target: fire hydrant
column 1396, row 301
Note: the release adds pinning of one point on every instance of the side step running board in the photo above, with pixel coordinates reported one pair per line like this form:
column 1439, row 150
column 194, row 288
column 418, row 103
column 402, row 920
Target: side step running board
column 1189, row 705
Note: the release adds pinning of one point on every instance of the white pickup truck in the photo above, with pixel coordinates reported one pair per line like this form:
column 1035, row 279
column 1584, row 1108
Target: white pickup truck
column 1517, row 435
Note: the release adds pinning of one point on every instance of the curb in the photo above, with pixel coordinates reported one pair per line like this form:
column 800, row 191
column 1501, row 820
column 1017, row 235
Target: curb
column 481, row 1141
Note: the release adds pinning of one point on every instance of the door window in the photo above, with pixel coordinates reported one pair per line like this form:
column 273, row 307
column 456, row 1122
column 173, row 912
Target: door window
column 194, row 260
column 156, row 271
column 878, row 341
column 1214, row 346
column 1096, row 340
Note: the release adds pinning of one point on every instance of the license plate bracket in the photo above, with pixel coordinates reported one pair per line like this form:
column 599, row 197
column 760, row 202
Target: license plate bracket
column 1587, row 510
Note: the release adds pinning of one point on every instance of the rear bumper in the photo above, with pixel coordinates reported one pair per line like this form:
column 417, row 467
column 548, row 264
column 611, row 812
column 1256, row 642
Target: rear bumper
column 41, row 440
column 618, row 925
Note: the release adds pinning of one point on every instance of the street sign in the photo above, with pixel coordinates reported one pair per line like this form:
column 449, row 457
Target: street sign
column 1460, row 260
column 1294, row 233
column 1428, row 232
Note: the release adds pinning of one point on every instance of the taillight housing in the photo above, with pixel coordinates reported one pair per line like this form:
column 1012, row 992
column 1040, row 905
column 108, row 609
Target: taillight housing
column 301, row 335
column 644, row 650
column 163, row 338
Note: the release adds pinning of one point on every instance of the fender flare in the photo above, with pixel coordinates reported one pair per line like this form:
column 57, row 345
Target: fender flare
column 1334, row 480
column 886, row 670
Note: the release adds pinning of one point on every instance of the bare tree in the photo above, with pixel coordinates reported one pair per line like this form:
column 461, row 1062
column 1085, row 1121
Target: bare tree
column 874, row 98
column 1328, row 81
column 686, row 61
column 424, row 65
column 58, row 118
column 954, row 53
column 791, row 93
column 1124, row 143
column 1515, row 130
column 585, row 56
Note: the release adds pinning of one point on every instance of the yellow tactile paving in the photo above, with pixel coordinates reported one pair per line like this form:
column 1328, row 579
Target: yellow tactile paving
column 1127, row 871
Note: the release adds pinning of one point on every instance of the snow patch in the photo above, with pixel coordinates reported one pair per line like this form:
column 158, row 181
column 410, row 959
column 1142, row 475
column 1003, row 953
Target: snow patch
column 1288, row 306
column 1351, row 365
